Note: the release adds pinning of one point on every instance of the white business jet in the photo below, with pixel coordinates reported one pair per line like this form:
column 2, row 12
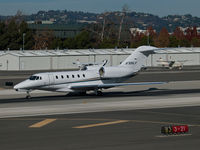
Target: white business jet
column 92, row 78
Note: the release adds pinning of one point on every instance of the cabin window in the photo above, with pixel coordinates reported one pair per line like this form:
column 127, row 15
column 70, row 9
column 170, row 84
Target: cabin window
column 72, row 76
column 78, row 76
column 67, row 76
column 62, row 76
column 84, row 75
column 56, row 77
column 40, row 78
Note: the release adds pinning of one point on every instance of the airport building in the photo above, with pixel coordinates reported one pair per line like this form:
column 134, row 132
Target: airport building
column 58, row 30
column 66, row 59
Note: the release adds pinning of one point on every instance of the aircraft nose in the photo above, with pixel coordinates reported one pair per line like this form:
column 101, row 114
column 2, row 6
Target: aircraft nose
column 17, row 87
column 22, row 85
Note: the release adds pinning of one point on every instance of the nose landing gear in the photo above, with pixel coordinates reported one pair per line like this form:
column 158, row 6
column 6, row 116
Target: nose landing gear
column 28, row 96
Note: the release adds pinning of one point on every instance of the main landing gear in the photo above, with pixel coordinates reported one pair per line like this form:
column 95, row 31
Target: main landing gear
column 98, row 92
column 82, row 93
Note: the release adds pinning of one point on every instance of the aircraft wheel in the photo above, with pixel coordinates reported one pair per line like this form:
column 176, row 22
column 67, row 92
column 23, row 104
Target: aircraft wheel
column 82, row 93
column 98, row 93
column 28, row 97
column 76, row 94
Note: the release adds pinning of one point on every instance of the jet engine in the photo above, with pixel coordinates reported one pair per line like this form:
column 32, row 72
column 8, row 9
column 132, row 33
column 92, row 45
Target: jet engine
column 112, row 72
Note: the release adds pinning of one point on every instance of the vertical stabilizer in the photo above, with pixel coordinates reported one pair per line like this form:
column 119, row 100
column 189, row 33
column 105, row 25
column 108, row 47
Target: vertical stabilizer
column 138, row 58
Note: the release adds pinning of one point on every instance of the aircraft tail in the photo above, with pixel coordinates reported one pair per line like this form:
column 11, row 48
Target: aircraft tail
column 138, row 58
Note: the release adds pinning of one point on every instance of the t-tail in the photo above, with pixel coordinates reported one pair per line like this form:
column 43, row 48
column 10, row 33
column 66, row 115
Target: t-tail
column 138, row 58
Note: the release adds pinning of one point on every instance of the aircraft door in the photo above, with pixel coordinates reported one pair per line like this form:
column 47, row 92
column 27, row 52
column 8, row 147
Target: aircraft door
column 51, row 79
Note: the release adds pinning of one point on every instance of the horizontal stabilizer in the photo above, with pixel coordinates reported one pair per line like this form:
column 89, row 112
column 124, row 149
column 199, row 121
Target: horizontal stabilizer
column 152, row 51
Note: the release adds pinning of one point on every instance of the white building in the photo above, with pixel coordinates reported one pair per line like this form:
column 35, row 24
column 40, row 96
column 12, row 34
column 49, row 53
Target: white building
column 58, row 59
column 135, row 30
column 64, row 59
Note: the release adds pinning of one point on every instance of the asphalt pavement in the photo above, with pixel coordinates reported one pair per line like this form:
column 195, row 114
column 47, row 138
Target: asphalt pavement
column 123, row 118
column 127, row 130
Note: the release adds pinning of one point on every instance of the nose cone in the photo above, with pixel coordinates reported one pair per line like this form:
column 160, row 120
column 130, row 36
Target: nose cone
column 21, row 86
column 17, row 87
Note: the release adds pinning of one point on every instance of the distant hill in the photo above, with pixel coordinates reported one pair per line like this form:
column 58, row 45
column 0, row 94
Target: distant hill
column 132, row 19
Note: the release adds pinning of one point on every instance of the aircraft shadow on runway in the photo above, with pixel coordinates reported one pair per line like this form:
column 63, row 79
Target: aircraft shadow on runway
column 148, row 92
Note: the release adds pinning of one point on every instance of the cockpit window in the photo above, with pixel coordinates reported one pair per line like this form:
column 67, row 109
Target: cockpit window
column 35, row 78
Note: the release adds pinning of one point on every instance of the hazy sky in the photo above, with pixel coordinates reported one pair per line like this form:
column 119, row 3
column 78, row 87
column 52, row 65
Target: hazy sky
column 157, row 7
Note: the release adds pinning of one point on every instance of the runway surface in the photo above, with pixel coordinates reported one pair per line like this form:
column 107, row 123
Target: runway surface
column 123, row 118
column 127, row 130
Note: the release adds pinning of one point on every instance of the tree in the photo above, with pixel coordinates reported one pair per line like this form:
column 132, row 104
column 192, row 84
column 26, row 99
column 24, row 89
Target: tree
column 2, row 35
column 177, row 38
column 189, row 34
column 173, row 41
column 178, row 33
column 69, row 43
column 29, row 40
column 83, row 40
column 152, row 35
column 43, row 39
column 56, row 43
column 12, row 36
column 138, row 39
column 195, row 42
column 163, row 38
column 108, row 43
column 192, row 36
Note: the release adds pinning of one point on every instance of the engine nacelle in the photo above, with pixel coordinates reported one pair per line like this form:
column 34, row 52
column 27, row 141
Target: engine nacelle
column 112, row 72
column 92, row 67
